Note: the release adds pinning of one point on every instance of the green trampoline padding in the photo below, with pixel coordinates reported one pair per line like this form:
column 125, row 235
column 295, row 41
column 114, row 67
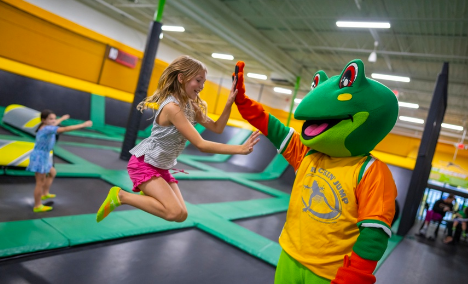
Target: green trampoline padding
column 17, row 132
column 20, row 237
column 247, row 208
column 82, row 229
column 119, row 178
column 235, row 235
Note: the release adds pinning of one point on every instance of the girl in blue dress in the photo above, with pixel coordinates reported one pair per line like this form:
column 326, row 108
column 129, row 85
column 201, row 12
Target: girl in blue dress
column 40, row 160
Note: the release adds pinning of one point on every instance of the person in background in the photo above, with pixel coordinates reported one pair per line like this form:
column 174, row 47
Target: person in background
column 40, row 160
column 440, row 208
column 460, row 217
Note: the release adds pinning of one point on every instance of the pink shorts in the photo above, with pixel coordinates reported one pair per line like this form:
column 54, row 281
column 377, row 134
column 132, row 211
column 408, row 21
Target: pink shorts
column 141, row 172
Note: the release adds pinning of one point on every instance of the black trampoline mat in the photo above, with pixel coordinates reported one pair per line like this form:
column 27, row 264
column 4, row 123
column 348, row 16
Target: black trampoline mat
column 58, row 160
column 269, row 226
column 228, row 133
column 79, row 139
column 212, row 191
column 417, row 260
column 184, row 256
column 74, row 196
column 107, row 159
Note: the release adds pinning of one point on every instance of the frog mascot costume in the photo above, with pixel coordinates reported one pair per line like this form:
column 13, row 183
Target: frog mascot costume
column 343, row 199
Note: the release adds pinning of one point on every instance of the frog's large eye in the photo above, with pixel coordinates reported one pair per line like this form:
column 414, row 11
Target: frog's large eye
column 349, row 75
column 315, row 82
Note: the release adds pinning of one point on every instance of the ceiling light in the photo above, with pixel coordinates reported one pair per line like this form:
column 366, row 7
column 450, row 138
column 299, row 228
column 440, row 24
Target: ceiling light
column 373, row 55
column 451, row 126
column 368, row 25
column 297, row 101
column 409, row 105
column 411, row 119
column 257, row 76
column 161, row 36
column 282, row 90
column 390, row 77
column 173, row 29
column 222, row 56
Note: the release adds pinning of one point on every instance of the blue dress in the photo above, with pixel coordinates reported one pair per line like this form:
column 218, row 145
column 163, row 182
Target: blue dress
column 40, row 160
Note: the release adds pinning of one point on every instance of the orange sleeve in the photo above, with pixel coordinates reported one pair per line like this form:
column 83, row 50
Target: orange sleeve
column 295, row 151
column 376, row 194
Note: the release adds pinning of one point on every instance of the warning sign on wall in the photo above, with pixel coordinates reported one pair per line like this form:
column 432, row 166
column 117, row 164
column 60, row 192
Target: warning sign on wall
column 122, row 57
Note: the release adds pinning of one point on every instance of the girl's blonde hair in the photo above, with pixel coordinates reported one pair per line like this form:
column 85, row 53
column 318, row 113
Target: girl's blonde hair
column 169, row 85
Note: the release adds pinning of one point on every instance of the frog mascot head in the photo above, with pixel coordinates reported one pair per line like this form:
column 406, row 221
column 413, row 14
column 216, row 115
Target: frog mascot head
column 346, row 115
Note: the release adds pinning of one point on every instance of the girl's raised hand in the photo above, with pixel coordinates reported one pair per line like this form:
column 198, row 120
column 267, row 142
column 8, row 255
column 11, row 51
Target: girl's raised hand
column 247, row 147
column 233, row 93
column 88, row 123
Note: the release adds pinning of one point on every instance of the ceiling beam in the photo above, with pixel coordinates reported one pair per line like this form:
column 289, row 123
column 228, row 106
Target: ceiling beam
column 356, row 50
column 234, row 31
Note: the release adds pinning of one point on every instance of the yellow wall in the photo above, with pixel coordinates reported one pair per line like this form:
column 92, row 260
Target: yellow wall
column 38, row 38
column 38, row 43
column 114, row 76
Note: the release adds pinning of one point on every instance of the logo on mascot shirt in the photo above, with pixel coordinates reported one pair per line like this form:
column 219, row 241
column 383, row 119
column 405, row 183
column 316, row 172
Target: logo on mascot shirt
column 322, row 196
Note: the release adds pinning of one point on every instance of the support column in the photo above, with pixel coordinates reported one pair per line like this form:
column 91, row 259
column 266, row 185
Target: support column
column 152, row 43
column 426, row 151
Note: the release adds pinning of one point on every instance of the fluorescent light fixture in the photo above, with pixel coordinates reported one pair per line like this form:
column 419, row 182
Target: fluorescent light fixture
column 282, row 90
column 257, row 76
column 409, row 105
column 390, row 77
column 173, row 29
column 368, row 25
column 297, row 101
column 411, row 119
column 161, row 36
column 451, row 126
column 222, row 56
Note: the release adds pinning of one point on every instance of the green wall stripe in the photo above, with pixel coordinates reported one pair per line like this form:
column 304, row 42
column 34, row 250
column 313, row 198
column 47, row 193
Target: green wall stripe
column 98, row 110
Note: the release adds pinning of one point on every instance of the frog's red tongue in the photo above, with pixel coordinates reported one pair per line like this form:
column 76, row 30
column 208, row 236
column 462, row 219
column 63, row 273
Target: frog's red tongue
column 314, row 129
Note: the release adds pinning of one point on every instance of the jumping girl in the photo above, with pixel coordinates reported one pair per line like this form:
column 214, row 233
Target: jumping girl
column 179, row 108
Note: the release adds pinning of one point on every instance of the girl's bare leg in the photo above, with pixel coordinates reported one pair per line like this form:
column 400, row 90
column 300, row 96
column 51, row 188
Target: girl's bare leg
column 175, row 188
column 40, row 182
column 159, row 200
column 48, row 181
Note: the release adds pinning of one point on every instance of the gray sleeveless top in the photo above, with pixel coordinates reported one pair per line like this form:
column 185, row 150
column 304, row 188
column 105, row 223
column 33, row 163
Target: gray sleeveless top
column 165, row 143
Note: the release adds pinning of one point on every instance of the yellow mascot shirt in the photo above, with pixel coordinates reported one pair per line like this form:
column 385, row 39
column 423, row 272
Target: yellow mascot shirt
column 322, row 220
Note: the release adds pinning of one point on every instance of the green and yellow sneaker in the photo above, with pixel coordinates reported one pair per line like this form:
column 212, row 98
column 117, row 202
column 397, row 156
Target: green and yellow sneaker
column 112, row 201
column 42, row 208
column 47, row 196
